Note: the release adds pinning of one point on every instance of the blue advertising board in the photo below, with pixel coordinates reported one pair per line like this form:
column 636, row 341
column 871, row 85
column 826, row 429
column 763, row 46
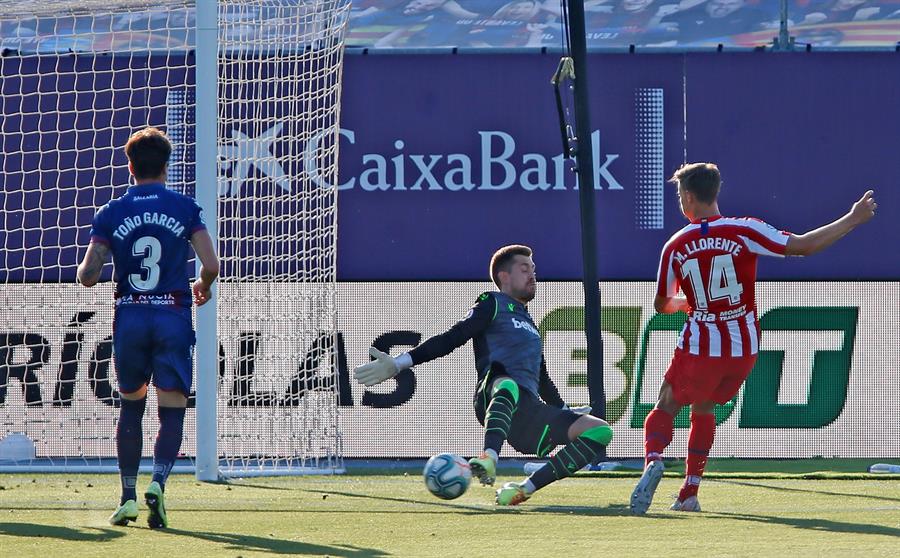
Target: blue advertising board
column 444, row 158
column 796, row 140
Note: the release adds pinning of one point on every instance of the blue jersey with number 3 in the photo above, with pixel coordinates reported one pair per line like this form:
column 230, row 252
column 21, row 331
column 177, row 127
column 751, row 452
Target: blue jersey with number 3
column 148, row 231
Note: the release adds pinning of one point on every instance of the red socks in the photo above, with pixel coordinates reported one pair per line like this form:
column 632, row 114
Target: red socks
column 700, row 440
column 658, row 430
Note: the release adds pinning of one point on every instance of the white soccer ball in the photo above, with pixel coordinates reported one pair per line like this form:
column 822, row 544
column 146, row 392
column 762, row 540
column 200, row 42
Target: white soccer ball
column 447, row 476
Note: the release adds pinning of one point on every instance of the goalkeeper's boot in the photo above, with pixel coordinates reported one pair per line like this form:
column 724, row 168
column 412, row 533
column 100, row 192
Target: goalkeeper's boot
column 689, row 504
column 642, row 496
column 156, row 501
column 512, row 494
column 484, row 468
column 124, row 513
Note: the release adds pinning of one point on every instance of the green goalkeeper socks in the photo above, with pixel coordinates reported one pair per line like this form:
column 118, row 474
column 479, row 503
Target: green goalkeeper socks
column 578, row 453
column 500, row 411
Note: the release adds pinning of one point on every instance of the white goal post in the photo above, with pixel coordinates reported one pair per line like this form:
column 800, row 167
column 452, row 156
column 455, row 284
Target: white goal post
column 249, row 93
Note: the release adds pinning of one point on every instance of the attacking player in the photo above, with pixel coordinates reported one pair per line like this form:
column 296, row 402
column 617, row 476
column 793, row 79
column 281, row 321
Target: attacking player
column 149, row 231
column 512, row 381
column 713, row 261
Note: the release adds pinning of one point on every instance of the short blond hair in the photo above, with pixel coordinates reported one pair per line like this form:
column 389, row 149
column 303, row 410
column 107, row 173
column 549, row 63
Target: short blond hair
column 701, row 179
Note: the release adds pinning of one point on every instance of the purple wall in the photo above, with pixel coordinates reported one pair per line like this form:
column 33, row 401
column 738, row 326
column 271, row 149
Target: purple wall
column 798, row 138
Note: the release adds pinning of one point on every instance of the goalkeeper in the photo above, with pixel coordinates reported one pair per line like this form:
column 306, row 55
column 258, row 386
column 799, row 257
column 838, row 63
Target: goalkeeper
column 515, row 399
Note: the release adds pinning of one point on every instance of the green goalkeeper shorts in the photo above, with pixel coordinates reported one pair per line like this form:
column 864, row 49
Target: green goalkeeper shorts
column 536, row 427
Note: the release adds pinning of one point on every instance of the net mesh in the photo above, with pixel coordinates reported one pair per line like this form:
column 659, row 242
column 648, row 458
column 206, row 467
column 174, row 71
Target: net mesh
column 77, row 79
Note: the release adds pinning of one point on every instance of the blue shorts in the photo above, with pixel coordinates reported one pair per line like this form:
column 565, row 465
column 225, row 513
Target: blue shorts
column 153, row 343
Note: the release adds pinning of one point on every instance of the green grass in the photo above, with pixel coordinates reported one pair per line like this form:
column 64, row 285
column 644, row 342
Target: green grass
column 65, row 515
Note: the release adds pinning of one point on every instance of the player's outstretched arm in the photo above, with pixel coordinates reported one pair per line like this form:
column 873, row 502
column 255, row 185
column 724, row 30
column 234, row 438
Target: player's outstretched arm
column 823, row 237
column 92, row 265
column 209, row 266
column 385, row 367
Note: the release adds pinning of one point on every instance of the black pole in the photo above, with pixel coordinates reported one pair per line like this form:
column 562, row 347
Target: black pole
column 585, row 171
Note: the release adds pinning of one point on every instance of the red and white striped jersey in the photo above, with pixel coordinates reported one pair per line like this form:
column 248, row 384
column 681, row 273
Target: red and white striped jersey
column 713, row 261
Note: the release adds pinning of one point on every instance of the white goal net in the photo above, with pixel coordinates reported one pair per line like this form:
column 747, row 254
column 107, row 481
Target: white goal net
column 77, row 78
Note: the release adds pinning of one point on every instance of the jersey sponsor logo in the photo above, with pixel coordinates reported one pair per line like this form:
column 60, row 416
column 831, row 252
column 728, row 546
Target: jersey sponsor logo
column 144, row 198
column 130, row 223
column 522, row 324
column 164, row 299
column 701, row 316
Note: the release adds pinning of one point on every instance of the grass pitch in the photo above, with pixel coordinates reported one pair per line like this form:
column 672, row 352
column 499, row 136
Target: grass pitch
column 393, row 515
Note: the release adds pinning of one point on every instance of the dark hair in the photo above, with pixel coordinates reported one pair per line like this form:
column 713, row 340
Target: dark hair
column 701, row 179
column 503, row 258
column 148, row 150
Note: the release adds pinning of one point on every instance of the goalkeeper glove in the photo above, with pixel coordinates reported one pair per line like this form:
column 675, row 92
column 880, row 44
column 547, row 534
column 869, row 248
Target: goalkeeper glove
column 384, row 367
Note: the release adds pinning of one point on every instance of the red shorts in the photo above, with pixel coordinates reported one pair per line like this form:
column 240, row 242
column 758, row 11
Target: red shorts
column 695, row 379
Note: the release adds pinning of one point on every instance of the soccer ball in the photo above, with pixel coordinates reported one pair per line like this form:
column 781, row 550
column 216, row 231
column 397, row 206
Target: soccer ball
column 447, row 476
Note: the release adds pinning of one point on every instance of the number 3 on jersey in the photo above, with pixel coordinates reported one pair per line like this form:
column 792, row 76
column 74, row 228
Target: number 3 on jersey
column 723, row 281
column 150, row 249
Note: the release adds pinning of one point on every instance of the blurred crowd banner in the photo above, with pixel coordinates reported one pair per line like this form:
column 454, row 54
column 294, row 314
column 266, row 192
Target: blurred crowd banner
column 484, row 24
column 622, row 23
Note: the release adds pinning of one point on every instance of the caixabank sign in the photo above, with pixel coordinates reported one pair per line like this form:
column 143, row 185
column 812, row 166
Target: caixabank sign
column 826, row 369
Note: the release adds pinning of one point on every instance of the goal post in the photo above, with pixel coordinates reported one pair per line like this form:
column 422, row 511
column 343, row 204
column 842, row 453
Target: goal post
column 207, row 348
column 243, row 88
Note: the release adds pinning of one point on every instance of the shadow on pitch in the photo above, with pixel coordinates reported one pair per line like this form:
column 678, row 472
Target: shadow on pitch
column 37, row 530
column 806, row 490
column 251, row 543
column 814, row 524
column 445, row 506
column 241, row 484
column 464, row 509
column 612, row 510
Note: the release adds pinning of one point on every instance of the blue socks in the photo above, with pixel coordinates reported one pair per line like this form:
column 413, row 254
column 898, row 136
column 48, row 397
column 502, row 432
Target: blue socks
column 129, row 443
column 168, row 442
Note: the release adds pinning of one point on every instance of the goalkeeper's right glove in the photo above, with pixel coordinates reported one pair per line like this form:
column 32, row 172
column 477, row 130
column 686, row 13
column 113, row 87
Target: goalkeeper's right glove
column 384, row 367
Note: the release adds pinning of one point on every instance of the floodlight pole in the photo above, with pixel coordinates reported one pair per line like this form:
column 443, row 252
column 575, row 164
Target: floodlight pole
column 585, row 162
column 784, row 42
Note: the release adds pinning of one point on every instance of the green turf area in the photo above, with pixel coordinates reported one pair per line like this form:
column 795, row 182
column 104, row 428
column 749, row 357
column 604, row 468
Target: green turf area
column 65, row 515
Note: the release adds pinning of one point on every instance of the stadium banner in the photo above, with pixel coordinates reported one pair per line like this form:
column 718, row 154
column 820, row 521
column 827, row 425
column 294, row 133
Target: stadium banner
column 825, row 373
column 467, row 157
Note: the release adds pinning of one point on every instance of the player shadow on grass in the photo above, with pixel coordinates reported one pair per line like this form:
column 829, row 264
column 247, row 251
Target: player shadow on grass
column 251, row 543
column 813, row 524
column 37, row 530
column 807, row 491
column 464, row 509
column 611, row 510
column 469, row 509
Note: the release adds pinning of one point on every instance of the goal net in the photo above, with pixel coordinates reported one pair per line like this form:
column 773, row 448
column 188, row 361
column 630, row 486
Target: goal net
column 77, row 78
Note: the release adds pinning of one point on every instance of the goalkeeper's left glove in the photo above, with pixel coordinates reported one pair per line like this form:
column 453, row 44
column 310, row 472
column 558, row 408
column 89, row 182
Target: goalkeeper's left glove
column 384, row 367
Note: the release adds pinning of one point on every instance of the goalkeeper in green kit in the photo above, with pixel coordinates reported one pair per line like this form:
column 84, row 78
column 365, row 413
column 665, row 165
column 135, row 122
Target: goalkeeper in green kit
column 515, row 400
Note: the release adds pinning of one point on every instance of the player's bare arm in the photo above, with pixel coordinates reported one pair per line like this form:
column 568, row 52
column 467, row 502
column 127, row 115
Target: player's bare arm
column 209, row 266
column 670, row 304
column 817, row 240
column 92, row 265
